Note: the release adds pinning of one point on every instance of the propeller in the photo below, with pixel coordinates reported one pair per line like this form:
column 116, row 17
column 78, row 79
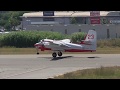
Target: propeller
column 42, row 45
column 39, row 45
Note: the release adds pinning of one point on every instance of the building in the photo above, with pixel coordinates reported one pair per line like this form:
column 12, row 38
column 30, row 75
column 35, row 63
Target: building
column 66, row 17
column 106, row 23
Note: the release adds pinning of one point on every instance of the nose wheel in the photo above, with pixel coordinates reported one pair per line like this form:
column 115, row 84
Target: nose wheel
column 37, row 50
column 37, row 53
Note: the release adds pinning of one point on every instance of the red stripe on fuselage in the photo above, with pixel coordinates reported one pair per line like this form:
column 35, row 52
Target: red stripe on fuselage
column 44, row 48
column 68, row 50
column 82, row 42
column 79, row 50
column 41, row 47
column 73, row 50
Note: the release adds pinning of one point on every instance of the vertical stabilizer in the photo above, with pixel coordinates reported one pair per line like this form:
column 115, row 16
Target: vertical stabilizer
column 90, row 40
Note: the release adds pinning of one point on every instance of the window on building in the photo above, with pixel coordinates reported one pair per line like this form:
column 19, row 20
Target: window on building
column 79, row 30
column 48, row 19
column 65, row 31
column 116, row 35
column 51, row 30
column 108, row 33
column 81, row 20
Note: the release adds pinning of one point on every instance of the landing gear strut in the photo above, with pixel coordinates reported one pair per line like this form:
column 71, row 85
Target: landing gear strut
column 37, row 50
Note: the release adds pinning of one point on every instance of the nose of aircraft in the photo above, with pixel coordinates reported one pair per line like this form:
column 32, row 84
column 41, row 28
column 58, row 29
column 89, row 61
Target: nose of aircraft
column 37, row 44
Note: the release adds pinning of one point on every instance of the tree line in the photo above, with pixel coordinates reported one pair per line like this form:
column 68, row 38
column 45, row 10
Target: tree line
column 10, row 19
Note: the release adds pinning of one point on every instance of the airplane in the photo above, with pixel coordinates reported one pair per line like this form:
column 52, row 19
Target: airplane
column 65, row 45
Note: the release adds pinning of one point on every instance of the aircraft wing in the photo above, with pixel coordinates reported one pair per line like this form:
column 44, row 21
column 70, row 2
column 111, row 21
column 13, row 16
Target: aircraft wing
column 59, row 43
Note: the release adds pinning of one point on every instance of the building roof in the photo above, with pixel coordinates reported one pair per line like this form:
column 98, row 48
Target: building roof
column 71, row 14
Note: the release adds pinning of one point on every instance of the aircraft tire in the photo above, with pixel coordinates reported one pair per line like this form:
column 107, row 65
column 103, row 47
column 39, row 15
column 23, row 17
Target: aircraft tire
column 59, row 53
column 37, row 53
column 54, row 54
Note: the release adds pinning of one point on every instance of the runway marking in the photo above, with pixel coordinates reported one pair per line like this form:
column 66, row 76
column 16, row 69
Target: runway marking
column 25, row 72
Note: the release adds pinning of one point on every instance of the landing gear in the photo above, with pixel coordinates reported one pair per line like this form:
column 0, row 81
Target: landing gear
column 37, row 50
column 37, row 53
column 59, row 53
column 54, row 54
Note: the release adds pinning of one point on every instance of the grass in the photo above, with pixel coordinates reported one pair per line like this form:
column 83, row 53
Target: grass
column 12, row 50
column 98, row 73
column 108, row 50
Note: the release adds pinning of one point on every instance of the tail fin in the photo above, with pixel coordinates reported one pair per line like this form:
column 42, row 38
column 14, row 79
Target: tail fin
column 91, row 36
column 90, row 40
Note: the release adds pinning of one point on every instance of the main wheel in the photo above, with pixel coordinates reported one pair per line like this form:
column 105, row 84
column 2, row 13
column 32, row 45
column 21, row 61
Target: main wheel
column 54, row 54
column 37, row 53
column 59, row 53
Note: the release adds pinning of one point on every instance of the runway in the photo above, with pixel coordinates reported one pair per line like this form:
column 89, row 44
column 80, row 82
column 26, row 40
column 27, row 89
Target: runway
column 43, row 66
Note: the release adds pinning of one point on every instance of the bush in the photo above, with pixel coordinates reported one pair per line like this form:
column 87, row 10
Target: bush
column 77, row 37
column 27, row 38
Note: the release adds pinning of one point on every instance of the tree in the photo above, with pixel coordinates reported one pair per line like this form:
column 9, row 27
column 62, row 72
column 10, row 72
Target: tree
column 7, row 26
column 13, row 20
column 10, row 19
column 73, row 20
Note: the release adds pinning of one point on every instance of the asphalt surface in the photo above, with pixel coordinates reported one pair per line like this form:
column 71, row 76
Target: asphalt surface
column 43, row 66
